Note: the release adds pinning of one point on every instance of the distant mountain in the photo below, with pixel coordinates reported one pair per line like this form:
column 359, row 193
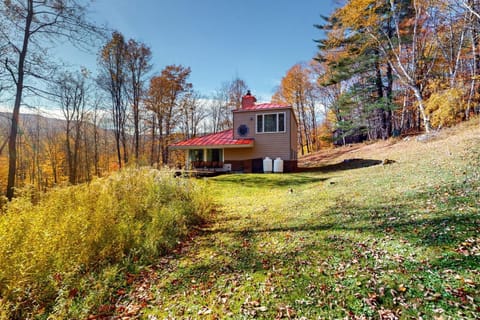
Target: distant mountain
column 30, row 121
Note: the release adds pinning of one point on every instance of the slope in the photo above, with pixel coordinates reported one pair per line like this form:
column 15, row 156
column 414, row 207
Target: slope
column 347, row 238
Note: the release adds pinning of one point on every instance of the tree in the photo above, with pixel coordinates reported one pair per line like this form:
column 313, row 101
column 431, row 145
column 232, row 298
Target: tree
column 215, row 107
column 96, row 117
column 474, row 22
column 428, row 47
column 412, row 57
column 165, row 94
column 113, row 78
column 138, row 57
column 471, row 6
column 354, row 58
column 298, row 88
column 192, row 112
column 225, row 100
column 72, row 98
column 29, row 26
column 4, row 49
column 53, row 149
column 349, row 118
column 236, row 89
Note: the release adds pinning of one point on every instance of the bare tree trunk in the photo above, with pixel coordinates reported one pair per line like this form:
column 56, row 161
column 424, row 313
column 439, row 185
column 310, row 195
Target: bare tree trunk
column 71, row 177
column 136, row 133
column 421, row 108
column 87, row 157
column 119, row 149
column 161, row 136
column 12, row 141
column 4, row 143
column 475, row 64
column 124, row 145
column 96, row 155
column 404, row 111
column 76, row 151
column 152, row 147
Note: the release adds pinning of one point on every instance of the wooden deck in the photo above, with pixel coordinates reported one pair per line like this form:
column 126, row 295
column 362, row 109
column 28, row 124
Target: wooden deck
column 199, row 173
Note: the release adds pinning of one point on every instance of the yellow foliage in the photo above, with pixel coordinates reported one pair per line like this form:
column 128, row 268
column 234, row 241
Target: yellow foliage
column 3, row 172
column 359, row 13
column 331, row 117
column 445, row 107
column 324, row 133
column 294, row 85
column 436, row 85
column 278, row 98
column 46, row 248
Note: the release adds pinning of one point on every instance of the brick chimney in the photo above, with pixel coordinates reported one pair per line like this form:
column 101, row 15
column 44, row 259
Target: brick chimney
column 248, row 101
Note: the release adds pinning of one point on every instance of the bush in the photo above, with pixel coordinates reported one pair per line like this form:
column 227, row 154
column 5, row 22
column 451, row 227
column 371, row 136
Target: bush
column 446, row 107
column 46, row 248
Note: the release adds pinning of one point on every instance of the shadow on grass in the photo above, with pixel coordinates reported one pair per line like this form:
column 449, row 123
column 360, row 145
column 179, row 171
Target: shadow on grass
column 297, row 228
column 269, row 180
column 347, row 164
column 401, row 219
column 402, row 222
column 426, row 232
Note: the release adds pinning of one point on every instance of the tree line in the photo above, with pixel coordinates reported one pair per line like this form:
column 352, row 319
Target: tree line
column 387, row 68
column 399, row 66
column 383, row 69
column 121, row 114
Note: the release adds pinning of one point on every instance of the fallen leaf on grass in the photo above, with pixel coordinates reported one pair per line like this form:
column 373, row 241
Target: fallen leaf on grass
column 285, row 311
column 204, row 311
column 386, row 314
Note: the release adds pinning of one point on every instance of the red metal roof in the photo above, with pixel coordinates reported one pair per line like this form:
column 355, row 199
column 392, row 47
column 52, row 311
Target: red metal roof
column 264, row 106
column 221, row 139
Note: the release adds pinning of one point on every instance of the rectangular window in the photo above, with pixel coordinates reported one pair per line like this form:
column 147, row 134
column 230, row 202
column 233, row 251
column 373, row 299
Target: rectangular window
column 260, row 123
column 271, row 122
column 215, row 155
column 196, row 154
column 281, row 122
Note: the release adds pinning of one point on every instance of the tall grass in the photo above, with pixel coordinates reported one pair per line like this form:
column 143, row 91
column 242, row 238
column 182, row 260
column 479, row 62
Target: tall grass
column 48, row 249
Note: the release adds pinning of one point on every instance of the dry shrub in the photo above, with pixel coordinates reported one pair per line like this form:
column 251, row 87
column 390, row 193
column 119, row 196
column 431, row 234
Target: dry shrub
column 75, row 230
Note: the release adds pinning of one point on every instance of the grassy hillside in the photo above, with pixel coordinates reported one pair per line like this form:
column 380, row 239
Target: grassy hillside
column 346, row 239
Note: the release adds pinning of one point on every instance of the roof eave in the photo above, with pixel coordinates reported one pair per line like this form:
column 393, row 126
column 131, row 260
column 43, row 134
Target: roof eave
column 213, row 146
column 262, row 110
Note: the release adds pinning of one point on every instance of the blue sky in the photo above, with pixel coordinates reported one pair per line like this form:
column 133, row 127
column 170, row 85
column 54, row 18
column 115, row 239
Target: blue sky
column 256, row 40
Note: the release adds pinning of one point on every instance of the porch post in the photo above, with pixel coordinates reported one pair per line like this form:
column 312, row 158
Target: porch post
column 187, row 159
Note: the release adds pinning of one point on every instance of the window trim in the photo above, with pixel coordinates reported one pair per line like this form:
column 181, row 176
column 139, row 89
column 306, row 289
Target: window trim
column 277, row 122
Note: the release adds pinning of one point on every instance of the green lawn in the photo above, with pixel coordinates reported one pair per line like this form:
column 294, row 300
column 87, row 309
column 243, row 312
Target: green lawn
column 351, row 240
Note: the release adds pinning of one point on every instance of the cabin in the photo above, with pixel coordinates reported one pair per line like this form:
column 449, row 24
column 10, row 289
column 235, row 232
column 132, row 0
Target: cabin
column 260, row 131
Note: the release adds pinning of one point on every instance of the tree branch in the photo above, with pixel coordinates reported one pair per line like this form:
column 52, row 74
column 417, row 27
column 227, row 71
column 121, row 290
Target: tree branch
column 469, row 8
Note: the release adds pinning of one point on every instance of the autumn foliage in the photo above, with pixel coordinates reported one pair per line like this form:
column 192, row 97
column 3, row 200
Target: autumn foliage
column 383, row 57
column 50, row 242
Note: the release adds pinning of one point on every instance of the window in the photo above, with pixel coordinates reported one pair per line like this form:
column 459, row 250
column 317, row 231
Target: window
column 260, row 123
column 196, row 154
column 210, row 155
column 272, row 122
column 215, row 155
column 281, row 122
